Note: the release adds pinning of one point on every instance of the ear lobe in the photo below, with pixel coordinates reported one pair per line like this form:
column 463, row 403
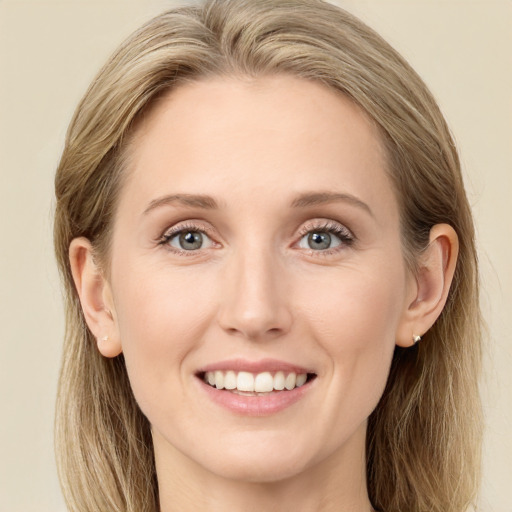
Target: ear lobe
column 95, row 297
column 433, row 280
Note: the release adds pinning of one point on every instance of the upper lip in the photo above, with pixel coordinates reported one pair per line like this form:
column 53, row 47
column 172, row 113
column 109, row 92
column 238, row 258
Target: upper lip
column 260, row 366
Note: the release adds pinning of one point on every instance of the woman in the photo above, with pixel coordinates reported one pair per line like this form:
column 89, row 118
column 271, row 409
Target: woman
column 270, row 272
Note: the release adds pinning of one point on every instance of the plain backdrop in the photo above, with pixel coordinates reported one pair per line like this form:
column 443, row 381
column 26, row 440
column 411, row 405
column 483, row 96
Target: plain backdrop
column 49, row 52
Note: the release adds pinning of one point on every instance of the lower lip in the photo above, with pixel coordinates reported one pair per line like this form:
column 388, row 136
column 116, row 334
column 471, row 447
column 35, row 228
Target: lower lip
column 263, row 405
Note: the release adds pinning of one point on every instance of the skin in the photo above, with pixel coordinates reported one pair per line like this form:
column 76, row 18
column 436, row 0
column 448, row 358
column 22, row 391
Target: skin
column 256, row 289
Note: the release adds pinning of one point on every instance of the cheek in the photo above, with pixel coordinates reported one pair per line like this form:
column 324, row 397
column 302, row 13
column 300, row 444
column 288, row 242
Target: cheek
column 161, row 320
column 160, row 307
column 354, row 310
column 354, row 321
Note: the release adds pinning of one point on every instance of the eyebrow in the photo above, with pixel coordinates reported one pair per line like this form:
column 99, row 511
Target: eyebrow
column 191, row 200
column 318, row 198
column 302, row 201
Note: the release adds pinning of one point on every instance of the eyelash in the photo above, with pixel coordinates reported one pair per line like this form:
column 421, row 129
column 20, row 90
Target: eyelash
column 177, row 230
column 333, row 228
column 344, row 234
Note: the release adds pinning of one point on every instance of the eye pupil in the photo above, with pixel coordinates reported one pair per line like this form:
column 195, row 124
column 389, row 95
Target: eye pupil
column 191, row 240
column 319, row 240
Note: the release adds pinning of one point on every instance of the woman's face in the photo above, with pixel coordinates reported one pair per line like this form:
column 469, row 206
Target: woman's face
column 257, row 236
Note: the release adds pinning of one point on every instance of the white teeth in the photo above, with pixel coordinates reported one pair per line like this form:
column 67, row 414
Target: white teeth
column 301, row 380
column 263, row 383
column 245, row 381
column 248, row 383
column 219, row 380
column 230, row 380
column 290, row 381
column 279, row 381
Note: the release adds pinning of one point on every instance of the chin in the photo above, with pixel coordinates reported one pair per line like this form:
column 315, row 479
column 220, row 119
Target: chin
column 259, row 472
column 260, row 462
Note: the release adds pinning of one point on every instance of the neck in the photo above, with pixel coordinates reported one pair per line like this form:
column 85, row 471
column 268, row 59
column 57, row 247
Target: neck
column 337, row 483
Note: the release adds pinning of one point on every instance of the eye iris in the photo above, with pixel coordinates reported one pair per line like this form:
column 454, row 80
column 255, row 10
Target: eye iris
column 191, row 240
column 319, row 240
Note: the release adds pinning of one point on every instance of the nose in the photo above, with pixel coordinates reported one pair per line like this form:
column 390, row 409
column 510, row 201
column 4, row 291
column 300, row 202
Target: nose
column 255, row 301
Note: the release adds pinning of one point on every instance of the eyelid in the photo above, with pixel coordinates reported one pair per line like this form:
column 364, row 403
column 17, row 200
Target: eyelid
column 328, row 225
column 339, row 230
column 188, row 225
column 345, row 235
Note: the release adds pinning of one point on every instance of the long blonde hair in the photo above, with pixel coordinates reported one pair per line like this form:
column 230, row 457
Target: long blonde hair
column 424, row 438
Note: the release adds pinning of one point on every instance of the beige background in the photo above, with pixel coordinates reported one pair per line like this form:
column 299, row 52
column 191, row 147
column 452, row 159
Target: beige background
column 49, row 51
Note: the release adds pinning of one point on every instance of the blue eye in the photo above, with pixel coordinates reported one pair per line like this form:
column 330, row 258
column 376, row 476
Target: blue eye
column 326, row 237
column 188, row 240
column 320, row 241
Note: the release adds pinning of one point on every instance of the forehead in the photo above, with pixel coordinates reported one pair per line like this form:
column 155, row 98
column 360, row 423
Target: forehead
column 254, row 137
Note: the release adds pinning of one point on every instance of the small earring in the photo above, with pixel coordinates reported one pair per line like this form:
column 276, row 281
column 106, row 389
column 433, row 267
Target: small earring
column 416, row 338
column 105, row 338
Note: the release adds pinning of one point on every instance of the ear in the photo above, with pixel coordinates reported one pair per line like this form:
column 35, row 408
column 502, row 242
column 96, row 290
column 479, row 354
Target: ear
column 95, row 297
column 429, row 291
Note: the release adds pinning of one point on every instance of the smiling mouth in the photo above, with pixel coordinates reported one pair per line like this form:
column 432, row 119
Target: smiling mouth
column 255, row 384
